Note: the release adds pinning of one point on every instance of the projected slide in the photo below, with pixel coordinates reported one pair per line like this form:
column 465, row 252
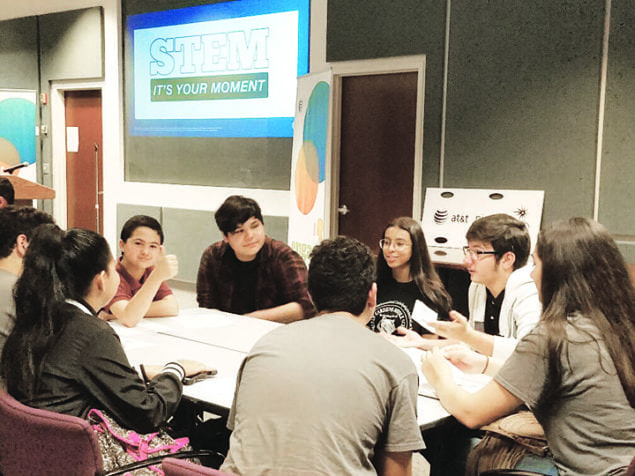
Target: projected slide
column 220, row 70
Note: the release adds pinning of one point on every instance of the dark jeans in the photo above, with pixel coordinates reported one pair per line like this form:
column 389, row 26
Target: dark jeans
column 210, row 434
column 447, row 447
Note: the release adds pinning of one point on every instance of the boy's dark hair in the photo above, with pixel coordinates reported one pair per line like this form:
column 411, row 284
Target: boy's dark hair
column 6, row 190
column 341, row 274
column 235, row 211
column 505, row 233
column 15, row 221
column 140, row 220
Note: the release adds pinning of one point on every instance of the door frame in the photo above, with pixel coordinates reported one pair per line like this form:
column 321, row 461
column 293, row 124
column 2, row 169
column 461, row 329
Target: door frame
column 341, row 69
column 58, row 142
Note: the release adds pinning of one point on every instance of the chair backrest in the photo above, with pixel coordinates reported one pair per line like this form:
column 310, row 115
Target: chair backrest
column 41, row 442
column 181, row 467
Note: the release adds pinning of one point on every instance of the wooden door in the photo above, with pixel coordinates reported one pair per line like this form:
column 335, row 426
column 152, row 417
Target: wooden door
column 84, row 182
column 377, row 153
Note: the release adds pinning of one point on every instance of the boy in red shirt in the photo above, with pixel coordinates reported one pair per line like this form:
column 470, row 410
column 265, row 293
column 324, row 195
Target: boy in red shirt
column 144, row 267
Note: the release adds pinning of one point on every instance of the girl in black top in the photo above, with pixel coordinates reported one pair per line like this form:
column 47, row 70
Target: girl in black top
column 60, row 356
column 405, row 274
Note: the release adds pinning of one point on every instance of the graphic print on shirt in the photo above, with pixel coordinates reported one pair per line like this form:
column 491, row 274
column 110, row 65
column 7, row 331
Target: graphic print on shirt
column 389, row 316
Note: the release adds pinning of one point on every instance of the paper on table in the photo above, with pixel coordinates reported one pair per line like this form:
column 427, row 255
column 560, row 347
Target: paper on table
column 198, row 318
column 469, row 382
column 222, row 388
column 123, row 331
column 422, row 315
column 129, row 343
column 155, row 324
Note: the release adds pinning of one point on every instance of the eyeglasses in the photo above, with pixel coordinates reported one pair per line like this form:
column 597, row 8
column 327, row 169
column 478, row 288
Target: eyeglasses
column 475, row 254
column 397, row 245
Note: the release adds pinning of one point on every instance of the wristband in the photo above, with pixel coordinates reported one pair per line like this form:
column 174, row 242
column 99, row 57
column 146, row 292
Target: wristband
column 176, row 369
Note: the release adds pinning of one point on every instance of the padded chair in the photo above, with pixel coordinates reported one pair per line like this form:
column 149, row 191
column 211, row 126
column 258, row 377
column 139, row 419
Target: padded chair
column 179, row 467
column 34, row 441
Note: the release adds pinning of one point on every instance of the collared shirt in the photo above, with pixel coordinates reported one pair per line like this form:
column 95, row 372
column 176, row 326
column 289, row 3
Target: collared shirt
column 493, row 312
column 281, row 278
column 520, row 310
column 129, row 286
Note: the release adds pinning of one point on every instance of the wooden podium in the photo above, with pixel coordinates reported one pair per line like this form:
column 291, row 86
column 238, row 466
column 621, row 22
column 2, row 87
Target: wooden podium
column 26, row 191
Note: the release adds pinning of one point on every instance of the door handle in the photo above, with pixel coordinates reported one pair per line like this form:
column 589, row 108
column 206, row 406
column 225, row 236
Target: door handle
column 97, row 193
column 343, row 210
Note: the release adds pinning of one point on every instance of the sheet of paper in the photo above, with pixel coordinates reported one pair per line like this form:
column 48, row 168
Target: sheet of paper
column 154, row 325
column 423, row 315
column 125, row 332
column 131, row 344
column 222, row 387
column 203, row 318
column 72, row 139
column 469, row 382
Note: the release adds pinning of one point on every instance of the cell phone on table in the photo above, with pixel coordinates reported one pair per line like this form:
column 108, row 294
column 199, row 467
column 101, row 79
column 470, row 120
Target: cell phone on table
column 198, row 377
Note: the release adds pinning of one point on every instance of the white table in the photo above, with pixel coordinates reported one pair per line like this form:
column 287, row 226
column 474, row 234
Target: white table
column 212, row 327
column 152, row 348
column 222, row 341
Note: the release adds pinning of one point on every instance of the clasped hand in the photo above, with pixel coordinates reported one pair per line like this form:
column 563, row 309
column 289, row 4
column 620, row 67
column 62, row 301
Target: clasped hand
column 465, row 359
column 435, row 367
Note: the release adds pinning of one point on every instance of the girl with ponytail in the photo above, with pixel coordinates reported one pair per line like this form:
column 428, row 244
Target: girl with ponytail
column 60, row 356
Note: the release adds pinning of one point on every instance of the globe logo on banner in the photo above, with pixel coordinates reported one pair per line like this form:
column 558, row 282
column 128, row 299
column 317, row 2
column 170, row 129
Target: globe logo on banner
column 311, row 162
column 440, row 217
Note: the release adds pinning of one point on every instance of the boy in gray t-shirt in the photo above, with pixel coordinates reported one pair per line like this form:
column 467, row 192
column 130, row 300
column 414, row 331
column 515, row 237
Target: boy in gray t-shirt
column 326, row 395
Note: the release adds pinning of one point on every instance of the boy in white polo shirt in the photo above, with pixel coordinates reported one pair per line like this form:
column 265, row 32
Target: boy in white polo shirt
column 503, row 299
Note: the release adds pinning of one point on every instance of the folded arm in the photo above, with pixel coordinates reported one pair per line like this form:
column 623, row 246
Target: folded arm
column 289, row 312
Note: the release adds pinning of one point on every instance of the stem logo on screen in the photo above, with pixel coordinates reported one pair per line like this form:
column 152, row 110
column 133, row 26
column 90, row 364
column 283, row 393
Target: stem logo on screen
column 219, row 53
column 226, row 69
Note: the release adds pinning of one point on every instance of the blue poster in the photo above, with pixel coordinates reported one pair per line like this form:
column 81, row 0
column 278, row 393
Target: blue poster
column 17, row 127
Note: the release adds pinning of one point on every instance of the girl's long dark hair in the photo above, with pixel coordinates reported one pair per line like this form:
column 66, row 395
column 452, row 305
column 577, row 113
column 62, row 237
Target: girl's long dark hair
column 58, row 265
column 421, row 268
column 584, row 272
